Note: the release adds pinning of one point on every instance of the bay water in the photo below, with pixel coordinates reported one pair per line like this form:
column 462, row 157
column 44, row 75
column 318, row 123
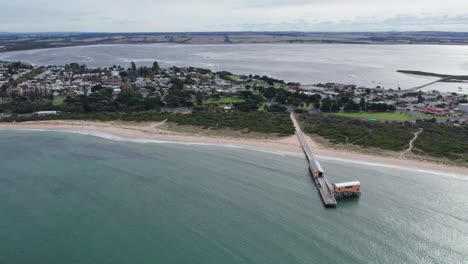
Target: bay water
column 69, row 198
column 362, row 65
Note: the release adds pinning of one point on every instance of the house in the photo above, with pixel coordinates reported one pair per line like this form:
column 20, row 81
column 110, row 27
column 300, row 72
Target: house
column 116, row 92
column 463, row 108
column 45, row 113
column 353, row 187
column 15, row 91
column 331, row 95
column 434, row 111
column 316, row 168
column 112, row 81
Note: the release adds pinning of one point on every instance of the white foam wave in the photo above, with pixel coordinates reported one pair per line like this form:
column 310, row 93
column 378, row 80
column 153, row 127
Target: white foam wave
column 156, row 141
column 390, row 166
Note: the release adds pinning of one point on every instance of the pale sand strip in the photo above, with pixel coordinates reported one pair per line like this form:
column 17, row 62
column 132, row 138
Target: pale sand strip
column 151, row 131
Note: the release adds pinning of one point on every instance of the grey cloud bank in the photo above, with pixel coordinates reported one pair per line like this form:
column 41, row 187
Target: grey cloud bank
column 242, row 15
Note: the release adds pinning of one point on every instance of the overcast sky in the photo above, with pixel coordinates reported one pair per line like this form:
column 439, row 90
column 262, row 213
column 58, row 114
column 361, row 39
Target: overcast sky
column 236, row 15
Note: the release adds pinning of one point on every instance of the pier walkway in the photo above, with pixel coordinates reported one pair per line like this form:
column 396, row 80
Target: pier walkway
column 323, row 185
column 427, row 84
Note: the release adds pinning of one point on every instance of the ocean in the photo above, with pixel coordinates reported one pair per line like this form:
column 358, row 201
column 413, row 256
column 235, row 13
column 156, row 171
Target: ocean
column 71, row 198
column 362, row 65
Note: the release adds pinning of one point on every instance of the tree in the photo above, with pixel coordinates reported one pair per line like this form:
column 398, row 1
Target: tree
column 277, row 108
column 133, row 69
column 153, row 103
column 362, row 104
column 420, row 97
column 326, row 105
column 145, row 72
column 123, row 74
column 246, row 94
column 247, row 106
column 335, row 107
column 155, row 67
column 199, row 98
column 317, row 104
column 172, row 100
column 351, row 107
column 270, row 92
column 177, row 84
column 281, row 96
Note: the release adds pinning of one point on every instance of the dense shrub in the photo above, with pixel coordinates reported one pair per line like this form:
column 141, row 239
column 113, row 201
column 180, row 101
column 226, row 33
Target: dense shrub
column 390, row 136
column 437, row 140
column 263, row 122
column 441, row 140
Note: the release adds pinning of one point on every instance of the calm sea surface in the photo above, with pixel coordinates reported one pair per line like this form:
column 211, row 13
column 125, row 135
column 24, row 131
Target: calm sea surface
column 368, row 65
column 67, row 198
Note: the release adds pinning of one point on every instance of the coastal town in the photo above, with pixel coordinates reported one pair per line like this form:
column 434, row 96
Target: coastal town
column 217, row 91
column 233, row 132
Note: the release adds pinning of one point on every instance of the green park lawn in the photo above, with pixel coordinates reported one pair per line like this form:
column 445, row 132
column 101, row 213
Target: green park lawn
column 393, row 116
column 234, row 78
column 57, row 101
column 223, row 100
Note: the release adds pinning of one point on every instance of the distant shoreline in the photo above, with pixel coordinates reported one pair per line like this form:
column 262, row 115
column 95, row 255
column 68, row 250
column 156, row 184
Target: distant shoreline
column 227, row 44
column 32, row 41
column 156, row 132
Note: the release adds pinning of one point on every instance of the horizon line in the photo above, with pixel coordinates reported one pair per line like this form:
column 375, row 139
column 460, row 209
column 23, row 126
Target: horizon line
column 224, row 32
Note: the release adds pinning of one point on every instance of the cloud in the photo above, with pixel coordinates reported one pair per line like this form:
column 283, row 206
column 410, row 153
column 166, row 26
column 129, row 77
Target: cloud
column 240, row 15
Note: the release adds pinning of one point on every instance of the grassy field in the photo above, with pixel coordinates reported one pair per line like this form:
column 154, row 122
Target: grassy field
column 57, row 101
column 234, row 78
column 395, row 116
column 223, row 101
column 307, row 107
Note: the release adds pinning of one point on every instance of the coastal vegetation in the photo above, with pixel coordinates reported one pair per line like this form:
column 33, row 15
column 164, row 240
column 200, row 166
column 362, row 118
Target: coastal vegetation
column 262, row 122
column 342, row 130
column 441, row 140
column 437, row 139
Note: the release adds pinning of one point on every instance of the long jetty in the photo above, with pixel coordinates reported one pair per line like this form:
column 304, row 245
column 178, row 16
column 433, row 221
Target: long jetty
column 323, row 185
column 427, row 84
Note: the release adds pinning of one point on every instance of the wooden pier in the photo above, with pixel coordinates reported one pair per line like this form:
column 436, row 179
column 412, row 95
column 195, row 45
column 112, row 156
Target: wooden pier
column 323, row 185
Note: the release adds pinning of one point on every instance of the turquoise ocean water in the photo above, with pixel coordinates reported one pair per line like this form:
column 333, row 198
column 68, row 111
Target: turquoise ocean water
column 67, row 198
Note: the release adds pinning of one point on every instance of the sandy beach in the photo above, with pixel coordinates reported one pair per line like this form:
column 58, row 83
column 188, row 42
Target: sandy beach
column 158, row 131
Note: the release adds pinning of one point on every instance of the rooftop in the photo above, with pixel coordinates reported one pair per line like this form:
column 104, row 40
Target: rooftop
column 346, row 184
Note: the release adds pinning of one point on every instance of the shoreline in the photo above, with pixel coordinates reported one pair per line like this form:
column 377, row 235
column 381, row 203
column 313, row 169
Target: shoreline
column 239, row 43
column 153, row 133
